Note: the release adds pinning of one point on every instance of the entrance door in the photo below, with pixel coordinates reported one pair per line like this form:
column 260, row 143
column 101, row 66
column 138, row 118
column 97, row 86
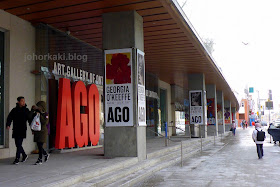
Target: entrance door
column 163, row 109
column 2, row 125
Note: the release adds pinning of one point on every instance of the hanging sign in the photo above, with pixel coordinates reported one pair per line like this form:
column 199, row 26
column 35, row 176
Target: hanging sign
column 118, row 88
column 141, row 88
column 227, row 115
column 269, row 105
column 196, row 107
column 76, row 74
column 220, row 115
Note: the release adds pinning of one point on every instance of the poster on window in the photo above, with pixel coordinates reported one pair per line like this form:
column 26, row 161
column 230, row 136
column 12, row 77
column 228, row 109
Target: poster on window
column 187, row 111
column 227, row 115
column 220, row 114
column 211, row 118
column 196, row 108
column 141, row 88
column 118, row 88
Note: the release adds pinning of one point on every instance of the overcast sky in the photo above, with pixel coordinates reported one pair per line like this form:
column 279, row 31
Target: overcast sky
column 231, row 23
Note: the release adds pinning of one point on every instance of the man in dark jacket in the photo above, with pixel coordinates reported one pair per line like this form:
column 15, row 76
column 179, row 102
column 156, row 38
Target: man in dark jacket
column 19, row 117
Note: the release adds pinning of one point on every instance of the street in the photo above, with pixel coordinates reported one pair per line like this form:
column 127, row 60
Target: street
column 234, row 164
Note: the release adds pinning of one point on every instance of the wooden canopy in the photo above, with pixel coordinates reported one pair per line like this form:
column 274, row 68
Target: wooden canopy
column 172, row 47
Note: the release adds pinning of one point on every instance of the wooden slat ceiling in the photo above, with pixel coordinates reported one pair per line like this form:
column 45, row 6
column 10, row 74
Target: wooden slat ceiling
column 172, row 49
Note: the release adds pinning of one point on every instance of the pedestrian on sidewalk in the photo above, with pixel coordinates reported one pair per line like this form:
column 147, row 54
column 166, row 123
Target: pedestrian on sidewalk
column 259, row 137
column 233, row 126
column 40, row 137
column 19, row 117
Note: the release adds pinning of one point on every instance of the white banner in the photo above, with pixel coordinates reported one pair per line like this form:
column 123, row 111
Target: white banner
column 196, row 107
column 118, row 88
column 141, row 88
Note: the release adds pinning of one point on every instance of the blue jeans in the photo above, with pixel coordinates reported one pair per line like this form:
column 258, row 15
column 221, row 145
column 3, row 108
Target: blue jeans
column 260, row 150
column 233, row 131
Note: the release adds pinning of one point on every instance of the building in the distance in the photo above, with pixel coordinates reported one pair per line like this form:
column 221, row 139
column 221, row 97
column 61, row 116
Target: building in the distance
column 243, row 113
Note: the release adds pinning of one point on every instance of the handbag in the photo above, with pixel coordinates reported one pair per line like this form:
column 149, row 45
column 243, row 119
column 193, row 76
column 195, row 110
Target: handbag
column 231, row 129
column 36, row 123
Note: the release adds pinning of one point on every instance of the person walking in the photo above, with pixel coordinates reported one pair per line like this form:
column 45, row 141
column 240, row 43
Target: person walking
column 258, row 136
column 233, row 126
column 19, row 117
column 40, row 137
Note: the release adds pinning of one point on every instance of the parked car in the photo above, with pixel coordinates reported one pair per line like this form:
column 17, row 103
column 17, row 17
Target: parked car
column 274, row 131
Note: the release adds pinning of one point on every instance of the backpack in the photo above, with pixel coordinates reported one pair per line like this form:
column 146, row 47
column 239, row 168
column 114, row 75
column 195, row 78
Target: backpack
column 260, row 135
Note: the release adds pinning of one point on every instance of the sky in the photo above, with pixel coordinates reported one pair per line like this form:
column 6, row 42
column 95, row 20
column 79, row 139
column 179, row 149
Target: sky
column 230, row 24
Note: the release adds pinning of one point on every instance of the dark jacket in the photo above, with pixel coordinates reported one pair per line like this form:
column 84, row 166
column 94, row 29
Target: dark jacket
column 19, row 117
column 41, row 136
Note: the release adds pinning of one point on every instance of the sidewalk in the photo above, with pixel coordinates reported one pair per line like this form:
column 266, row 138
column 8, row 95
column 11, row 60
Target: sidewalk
column 72, row 165
column 235, row 164
column 59, row 164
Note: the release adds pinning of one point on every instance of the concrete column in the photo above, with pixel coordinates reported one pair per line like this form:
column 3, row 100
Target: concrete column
column 124, row 30
column 212, row 130
column 227, row 122
column 220, row 111
column 197, row 82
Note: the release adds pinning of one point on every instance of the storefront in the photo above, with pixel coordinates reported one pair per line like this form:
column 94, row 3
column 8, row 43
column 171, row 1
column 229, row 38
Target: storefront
column 82, row 57
column 59, row 55
column 152, row 105
column 52, row 55
column 181, row 109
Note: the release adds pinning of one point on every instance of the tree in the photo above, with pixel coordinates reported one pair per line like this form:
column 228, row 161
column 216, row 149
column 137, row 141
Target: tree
column 183, row 4
column 209, row 44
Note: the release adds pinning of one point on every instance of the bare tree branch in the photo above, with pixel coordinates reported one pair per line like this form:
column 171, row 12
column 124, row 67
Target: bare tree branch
column 184, row 3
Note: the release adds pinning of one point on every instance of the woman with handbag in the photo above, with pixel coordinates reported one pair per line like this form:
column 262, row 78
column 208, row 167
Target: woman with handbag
column 40, row 134
column 233, row 127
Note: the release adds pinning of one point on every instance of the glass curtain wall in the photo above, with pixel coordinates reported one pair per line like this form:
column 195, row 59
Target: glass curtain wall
column 152, row 105
column 2, row 125
column 53, row 48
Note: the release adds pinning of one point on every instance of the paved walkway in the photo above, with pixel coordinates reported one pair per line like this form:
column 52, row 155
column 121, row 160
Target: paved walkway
column 66, row 165
column 235, row 164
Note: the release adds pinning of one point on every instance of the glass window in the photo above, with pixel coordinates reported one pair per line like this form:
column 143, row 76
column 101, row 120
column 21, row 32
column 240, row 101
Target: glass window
column 62, row 56
column 152, row 105
column 163, row 109
column 180, row 122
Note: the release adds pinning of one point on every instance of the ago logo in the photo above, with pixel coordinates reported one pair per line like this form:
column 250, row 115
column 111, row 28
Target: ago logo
column 73, row 127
